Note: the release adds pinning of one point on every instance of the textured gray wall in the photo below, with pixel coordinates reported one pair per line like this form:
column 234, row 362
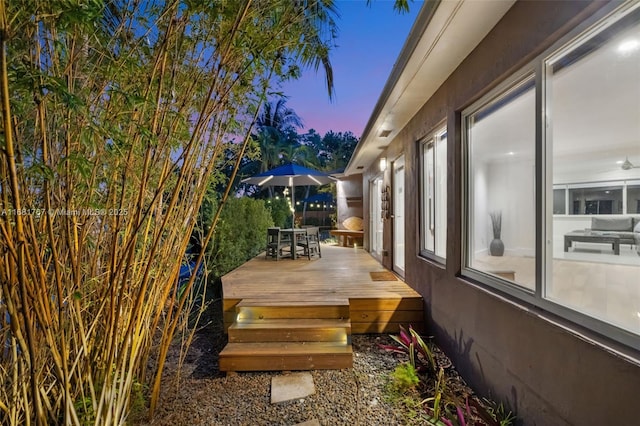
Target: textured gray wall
column 505, row 349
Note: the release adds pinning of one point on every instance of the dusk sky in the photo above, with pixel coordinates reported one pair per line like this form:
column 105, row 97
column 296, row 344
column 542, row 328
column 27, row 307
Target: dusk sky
column 369, row 41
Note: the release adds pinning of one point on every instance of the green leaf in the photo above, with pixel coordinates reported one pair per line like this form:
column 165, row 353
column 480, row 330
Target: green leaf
column 79, row 163
column 40, row 170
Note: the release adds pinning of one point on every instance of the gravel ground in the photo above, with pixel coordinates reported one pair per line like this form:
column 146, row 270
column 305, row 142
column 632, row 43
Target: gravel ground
column 202, row 395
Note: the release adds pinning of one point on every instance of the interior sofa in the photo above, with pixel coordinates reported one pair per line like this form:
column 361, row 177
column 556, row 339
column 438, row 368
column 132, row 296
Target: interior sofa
column 627, row 228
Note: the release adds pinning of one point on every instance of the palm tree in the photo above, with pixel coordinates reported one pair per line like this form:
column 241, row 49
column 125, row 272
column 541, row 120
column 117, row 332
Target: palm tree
column 319, row 31
column 278, row 115
column 275, row 137
column 270, row 144
column 275, row 123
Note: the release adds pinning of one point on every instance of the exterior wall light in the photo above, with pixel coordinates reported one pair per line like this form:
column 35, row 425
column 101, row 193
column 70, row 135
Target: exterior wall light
column 383, row 164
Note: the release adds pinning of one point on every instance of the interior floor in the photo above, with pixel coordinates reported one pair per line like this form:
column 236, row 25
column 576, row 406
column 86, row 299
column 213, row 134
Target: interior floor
column 589, row 279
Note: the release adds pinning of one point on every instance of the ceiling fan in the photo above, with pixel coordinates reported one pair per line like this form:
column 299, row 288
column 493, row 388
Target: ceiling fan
column 627, row 165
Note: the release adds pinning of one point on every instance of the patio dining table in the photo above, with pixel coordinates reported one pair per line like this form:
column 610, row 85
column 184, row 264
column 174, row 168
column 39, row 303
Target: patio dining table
column 293, row 235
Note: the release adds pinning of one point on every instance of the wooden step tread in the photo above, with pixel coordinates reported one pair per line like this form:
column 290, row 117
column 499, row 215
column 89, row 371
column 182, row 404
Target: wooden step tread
column 291, row 303
column 289, row 323
column 249, row 310
column 285, row 349
column 285, row 356
column 291, row 330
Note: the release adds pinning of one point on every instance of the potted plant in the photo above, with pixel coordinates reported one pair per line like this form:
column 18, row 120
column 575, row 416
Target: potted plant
column 496, row 248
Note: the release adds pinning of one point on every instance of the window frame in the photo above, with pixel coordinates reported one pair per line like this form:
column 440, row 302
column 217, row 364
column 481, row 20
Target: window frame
column 616, row 339
column 431, row 139
column 512, row 85
column 635, row 184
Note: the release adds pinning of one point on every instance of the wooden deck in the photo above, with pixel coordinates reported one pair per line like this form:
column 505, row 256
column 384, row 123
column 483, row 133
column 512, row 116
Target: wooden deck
column 275, row 308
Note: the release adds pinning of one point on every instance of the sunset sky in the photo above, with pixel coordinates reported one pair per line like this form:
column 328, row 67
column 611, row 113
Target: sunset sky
column 369, row 42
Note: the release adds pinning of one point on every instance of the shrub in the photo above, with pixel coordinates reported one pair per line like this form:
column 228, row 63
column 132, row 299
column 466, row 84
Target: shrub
column 240, row 234
column 280, row 212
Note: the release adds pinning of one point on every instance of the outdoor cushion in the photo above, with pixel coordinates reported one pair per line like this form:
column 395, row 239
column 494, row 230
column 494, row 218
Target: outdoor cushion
column 353, row 223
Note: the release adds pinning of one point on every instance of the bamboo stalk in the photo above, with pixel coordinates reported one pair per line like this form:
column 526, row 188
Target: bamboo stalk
column 9, row 154
column 92, row 297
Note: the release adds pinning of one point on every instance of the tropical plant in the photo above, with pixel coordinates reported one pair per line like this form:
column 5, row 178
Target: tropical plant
column 117, row 116
column 444, row 406
column 401, row 6
column 462, row 417
column 447, row 408
column 499, row 413
column 335, row 149
column 419, row 353
column 434, row 404
column 277, row 115
column 275, row 138
column 275, row 133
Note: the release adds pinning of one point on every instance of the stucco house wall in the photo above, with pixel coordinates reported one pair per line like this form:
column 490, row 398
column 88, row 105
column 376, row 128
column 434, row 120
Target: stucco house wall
column 349, row 199
column 550, row 371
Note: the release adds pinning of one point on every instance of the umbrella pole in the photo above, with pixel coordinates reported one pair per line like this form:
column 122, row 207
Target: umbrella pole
column 293, row 207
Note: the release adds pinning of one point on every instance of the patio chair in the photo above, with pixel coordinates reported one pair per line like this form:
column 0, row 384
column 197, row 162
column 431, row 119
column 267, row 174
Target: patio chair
column 275, row 243
column 311, row 242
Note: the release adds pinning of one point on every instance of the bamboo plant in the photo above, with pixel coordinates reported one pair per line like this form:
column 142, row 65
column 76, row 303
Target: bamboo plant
column 117, row 115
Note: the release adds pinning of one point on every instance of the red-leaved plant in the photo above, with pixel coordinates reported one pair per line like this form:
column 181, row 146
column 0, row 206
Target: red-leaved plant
column 420, row 354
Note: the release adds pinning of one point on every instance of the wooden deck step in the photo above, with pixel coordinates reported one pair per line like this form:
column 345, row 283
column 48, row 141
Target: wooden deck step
column 291, row 330
column 250, row 309
column 275, row 356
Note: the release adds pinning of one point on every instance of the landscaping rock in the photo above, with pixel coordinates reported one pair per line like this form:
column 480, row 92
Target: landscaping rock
column 291, row 386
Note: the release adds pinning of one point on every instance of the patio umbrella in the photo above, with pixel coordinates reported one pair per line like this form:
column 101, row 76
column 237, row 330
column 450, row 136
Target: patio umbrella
column 290, row 175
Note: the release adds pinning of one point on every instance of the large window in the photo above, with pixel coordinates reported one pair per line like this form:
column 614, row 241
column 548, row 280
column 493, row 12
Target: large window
column 576, row 109
column 633, row 198
column 434, row 196
column 593, row 93
column 559, row 201
column 596, row 200
column 501, row 156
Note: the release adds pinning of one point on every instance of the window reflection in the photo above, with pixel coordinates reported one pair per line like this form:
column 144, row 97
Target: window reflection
column 501, row 150
column 607, row 200
column 591, row 93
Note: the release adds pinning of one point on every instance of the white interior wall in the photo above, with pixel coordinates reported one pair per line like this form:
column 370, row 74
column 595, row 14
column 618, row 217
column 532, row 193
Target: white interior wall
column 503, row 142
column 481, row 234
column 512, row 191
column 561, row 177
column 594, row 108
